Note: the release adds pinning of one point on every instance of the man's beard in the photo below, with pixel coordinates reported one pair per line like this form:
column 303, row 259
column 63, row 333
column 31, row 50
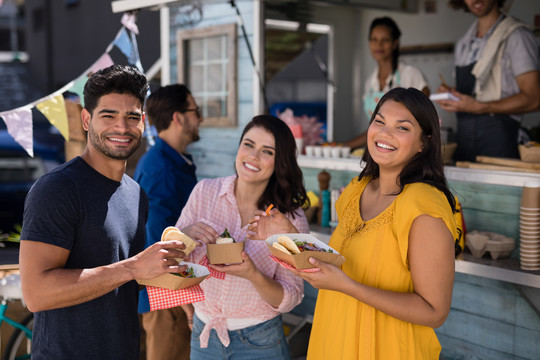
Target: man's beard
column 123, row 153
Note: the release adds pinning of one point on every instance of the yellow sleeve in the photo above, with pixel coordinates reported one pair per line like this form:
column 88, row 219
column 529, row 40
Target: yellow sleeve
column 419, row 199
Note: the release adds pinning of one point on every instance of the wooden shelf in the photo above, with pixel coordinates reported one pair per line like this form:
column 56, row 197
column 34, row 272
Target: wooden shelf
column 491, row 177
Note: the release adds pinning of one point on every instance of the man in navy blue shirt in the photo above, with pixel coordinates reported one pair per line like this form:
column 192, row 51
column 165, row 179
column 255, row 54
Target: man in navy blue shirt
column 83, row 234
column 167, row 175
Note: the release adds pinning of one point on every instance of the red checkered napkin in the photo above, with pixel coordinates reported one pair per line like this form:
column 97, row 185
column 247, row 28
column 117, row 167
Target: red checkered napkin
column 287, row 266
column 161, row 298
column 217, row 274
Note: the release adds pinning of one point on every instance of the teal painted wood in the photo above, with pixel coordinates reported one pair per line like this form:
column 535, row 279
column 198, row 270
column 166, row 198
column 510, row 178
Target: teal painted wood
column 459, row 349
column 489, row 198
column 492, row 208
column 498, row 303
column 489, row 320
column 214, row 154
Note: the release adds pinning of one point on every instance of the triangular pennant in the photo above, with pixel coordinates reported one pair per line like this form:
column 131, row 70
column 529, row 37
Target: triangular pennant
column 19, row 126
column 123, row 42
column 136, row 59
column 104, row 61
column 78, row 87
column 128, row 20
column 54, row 110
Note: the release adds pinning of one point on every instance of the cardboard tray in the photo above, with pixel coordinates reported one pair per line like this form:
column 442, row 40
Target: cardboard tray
column 175, row 282
column 301, row 261
column 225, row 253
column 530, row 154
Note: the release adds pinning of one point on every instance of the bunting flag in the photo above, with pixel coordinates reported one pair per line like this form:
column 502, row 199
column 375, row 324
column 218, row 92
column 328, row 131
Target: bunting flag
column 54, row 110
column 136, row 59
column 78, row 87
column 19, row 126
column 123, row 43
column 129, row 22
column 19, row 121
column 103, row 62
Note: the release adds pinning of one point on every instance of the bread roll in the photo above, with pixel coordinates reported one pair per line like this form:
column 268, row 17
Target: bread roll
column 288, row 244
column 172, row 233
column 281, row 248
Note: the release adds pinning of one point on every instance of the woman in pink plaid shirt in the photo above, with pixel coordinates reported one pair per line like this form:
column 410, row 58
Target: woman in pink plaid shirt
column 240, row 318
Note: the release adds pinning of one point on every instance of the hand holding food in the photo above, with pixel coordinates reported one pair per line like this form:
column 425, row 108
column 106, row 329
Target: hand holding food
column 172, row 233
column 202, row 232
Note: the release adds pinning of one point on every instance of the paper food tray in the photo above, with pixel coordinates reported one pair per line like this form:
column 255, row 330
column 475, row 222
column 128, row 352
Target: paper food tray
column 175, row 282
column 301, row 261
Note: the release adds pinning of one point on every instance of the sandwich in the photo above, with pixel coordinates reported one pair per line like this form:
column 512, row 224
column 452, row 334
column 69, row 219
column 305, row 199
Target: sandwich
column 286, row 244
column 225, row 238
column 289, row 246
column 172, row 233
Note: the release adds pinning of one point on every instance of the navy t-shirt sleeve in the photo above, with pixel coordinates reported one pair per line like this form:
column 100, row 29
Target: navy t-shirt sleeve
column 50, row 212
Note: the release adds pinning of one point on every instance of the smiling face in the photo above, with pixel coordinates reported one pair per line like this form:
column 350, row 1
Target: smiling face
column 481, row 8
column 394, row 136
column 381, row 43
column 256, row 155
column 115, row 128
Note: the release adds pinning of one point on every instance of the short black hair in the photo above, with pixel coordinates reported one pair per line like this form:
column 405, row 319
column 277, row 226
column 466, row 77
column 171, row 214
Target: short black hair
column 121, row 79
column 164, row 102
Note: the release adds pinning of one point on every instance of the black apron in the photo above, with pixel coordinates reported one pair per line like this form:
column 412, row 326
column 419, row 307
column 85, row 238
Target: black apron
column 482, row 134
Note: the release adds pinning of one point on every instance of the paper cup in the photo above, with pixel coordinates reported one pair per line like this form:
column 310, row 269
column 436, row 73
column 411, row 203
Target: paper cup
column 530, row 239
column 529, row 213
column 530, row 195
column 529, row 252
column 317, row 151
column 529, row 233
column 529, row 209
column 326, row 151
column 527, row 218
column 336, row 151
column 346, row 151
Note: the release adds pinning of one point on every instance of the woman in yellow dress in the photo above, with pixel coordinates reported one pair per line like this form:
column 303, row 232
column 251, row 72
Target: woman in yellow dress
column 398, row 235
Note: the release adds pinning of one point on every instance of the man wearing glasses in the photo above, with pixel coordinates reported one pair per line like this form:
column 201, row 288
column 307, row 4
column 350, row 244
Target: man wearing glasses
column 167, row 175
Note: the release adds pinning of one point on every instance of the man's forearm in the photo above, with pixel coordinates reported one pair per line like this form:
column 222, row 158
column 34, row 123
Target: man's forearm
column 59, row 287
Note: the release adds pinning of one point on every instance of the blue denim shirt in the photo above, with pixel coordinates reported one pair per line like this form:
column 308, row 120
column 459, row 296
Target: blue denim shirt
column 168, row 180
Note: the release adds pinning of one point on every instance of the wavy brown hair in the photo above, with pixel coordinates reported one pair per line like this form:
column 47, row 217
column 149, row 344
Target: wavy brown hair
column 286, row 186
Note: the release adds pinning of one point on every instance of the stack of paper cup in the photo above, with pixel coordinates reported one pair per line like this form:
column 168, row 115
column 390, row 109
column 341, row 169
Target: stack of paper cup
column 529, row 226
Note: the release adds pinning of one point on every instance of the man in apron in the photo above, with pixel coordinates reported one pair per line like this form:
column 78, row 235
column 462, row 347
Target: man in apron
column 497, row 78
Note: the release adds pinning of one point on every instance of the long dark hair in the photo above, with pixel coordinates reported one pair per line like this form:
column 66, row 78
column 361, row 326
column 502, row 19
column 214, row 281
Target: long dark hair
column 395, row 33
column 286, row 186
column 426, row 166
